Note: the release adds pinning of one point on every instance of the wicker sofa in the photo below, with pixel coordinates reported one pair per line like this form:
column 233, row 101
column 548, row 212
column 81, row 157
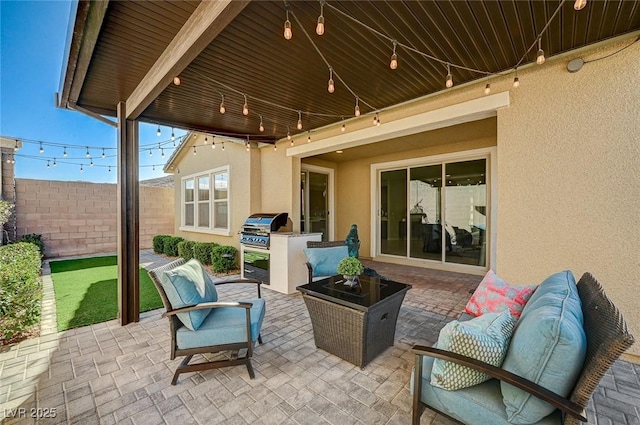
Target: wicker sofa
column 606, row 339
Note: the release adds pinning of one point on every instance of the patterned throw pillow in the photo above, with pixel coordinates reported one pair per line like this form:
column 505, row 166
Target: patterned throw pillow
column 485, row 338
column 494, row 295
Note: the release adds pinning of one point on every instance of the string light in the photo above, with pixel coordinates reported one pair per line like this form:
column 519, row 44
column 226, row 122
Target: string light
column 150, row 152
column 41, row 148
column 344, row 126
column 261, row 128
column 288, row 34
column 356, row 110
column 91, row 163
column 223, row 144
column 213, row 143
column 579, row 4
column 223, row 109
column 176, row 80
column 103, row 154
column 109, row 168
column 320, row 26
column 487, row 88
column 48, row 164
column 309, row 138
column 247, row 144
column 540, row 59
column 54, row 163
column 88, row 155
column 159, row 132
column 299, row 126
column 288, row 134
column 331, row 86
column 275, row 146
column 194, row 150
column 81, row 169
column 377, row 119
column 516, row 80
column 162, row 152
column 154, row 167
column 173, row 136
column 206, row 140
column 15, row 147
column 449, row 82
column 245, row 107
column 394, row 57
column 291, row 142
column 64, row 152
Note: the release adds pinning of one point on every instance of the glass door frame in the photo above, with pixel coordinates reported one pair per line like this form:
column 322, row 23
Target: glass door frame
column 330, row 172
column 490, row 154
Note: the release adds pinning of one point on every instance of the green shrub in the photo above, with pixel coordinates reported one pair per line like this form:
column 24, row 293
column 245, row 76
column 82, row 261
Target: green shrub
column 202, row 251
column 158, row 243
column 35, row 239
column 223, row 259
column 20, row 288
column 185, row 250
column 170, row 245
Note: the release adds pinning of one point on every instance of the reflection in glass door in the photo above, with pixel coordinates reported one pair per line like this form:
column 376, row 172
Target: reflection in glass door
column 421, row 220
column 314, row 206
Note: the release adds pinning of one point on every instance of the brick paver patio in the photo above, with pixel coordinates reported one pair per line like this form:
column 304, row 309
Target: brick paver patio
column 110, row 374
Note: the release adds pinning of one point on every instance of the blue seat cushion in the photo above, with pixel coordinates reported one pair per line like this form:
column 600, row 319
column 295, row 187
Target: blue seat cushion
column 324, row 261
column 223, row 326
column 548, row 347
column 187, row 285
column 480, row 404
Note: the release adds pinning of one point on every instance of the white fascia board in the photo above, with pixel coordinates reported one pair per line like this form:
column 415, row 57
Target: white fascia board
column 471, row 110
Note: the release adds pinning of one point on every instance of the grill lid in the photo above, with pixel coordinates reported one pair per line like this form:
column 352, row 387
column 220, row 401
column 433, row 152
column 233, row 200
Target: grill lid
column 267, row 221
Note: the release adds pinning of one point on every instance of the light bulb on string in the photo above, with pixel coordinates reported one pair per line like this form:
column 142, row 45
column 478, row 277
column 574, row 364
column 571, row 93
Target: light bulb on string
column 320, row 25
column 377, row 119
column 194, row 150
column 176, row 80
column 344, row 126
column 173, row 136
column 48, row 165
column 162, row 152
column 540, row 59
column 245, row 107
column 103, row 154
column 88, row 155
column 150, row 152
column 223, row 145
column 516, row 82
column 487, row 88
column 394, row 57
column 299, row 126
column 213, row 143
column 109, row 168
column 159, row 132
column 449, row 82
column 15, row 147
column 356, row 110
column 291, row 142
column 223, row 109
column 206, row 140
column 288, row 34
column 159, row 147
column 331, row 87
column 91, row 163
column 247, row 144
column 55, row 164
column 288, row 134
column 64, row 152
column 309, row 138
column 41, row 148
column 275, row 146
column 579, row 4
column 261, row 128
column 81, row 169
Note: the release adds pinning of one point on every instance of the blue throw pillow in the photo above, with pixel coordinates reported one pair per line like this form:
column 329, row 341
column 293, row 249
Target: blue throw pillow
column 186, row 285
column 324, row 261
column 548, row 347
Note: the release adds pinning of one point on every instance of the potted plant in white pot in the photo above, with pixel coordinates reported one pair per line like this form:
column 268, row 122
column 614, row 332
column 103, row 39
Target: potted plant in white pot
column 350, row 268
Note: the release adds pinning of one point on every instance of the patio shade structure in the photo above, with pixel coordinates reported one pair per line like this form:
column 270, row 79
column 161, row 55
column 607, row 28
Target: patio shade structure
column 124, row 57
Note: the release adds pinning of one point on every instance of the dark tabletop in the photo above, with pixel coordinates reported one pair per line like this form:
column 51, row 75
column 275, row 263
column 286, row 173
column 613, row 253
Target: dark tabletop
column 370, row 291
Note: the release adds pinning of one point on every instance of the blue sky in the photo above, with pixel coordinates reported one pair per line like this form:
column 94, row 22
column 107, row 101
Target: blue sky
column 32, row 53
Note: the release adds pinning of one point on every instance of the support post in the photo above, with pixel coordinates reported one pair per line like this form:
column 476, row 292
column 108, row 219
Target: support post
column 128, row 216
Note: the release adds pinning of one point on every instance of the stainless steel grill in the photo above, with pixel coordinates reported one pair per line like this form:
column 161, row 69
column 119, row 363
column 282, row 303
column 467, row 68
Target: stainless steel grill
column 257, row 228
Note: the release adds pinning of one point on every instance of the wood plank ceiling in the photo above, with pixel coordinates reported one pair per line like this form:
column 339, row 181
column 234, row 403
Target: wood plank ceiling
column 281, row 77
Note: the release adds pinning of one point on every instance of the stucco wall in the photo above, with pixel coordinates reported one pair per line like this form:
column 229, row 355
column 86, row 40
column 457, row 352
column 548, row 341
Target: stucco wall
column 569, row 151
column 77, row 218
column 243, row 197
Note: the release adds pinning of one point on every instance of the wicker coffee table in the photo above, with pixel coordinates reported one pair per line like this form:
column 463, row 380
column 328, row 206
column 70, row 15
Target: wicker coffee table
column 355, row 324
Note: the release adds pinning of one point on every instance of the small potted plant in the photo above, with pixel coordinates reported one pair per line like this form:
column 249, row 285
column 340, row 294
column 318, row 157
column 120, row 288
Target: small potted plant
column 350, row 268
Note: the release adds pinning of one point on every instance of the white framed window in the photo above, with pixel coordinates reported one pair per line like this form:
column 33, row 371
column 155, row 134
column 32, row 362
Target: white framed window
column 205, row 202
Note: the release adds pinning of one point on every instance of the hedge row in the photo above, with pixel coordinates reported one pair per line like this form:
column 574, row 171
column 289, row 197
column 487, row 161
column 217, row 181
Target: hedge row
column 222, row 258
column 20, row 288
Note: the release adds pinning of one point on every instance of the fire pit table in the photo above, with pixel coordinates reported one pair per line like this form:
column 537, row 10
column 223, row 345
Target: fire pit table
column 356, row 324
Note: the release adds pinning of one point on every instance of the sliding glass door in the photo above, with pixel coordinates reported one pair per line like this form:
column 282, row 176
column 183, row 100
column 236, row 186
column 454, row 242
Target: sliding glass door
column 435, row 212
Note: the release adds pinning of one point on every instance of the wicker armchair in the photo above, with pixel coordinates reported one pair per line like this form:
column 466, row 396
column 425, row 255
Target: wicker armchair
column 607, row 338
column 315, row 244
column 236, row 311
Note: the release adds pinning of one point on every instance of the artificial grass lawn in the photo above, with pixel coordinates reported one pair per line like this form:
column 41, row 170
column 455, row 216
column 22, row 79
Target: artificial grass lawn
column 87, row 291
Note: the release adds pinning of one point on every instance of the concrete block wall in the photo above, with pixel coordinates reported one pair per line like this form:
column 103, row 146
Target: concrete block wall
column 78, row 218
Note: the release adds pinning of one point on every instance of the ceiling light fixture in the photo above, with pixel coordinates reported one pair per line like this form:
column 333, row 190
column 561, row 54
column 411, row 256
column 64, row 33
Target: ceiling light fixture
column 288, row 34
column 394, row 57
column 449, row 82
column 579, row 4
column 299, row 126
column 320, row 26
column 356, row 110
column 223, row 109
column 540, row 59
column 331, row 86
column 245, row 107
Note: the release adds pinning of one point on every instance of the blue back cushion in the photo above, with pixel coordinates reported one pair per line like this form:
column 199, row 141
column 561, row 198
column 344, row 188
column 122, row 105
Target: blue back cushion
column 548, row 347
column 324, row 261
column 187, row 285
